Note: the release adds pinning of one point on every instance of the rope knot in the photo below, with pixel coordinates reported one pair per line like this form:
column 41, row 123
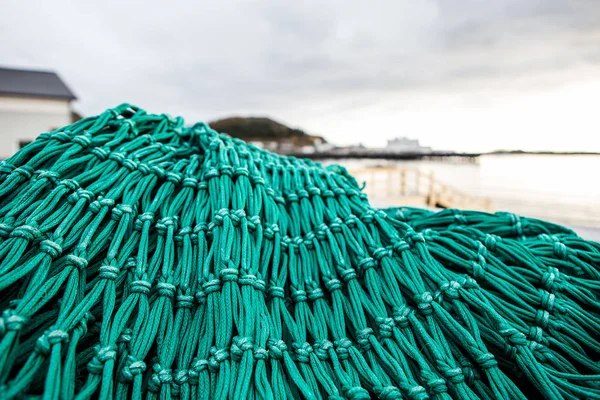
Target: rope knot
column 342, row 347
column 536, row 334
column 424, row 301
column 450, row 290
column 321, row 349
column 166, row 289
column 220, row 215
column 182, row 376
column 253, row 222
column 333, row 284
column 348, row 275
column 211, row 286
column 413, row 237
column 512, row 336
column 70, row 184
column 459, row 217
column 101, row 357
column 362, row 338
column 381, row 252
column 83, row 140
column 491, row 241
column 321, row 232
column 217, row 356
column 400, row 246
column 190, row 182
column 174, row 178
column 547, row 300
column 314, row 191
column 96, row 205
column 401, row 315
column 299, row 296
column 437, row 385
column 108, row 272
column 229, row 274
column 132, row 368
column 517, row 226
column 125, row 336
column 336, row 225
column 315, row 294
column 275, row 291
column 57, row 336
column 368, row 216
column 161, row 376
column 26, row 232
column 467, row 282
column 79, row 262
column 560, row 250
column 357, row 393
column 143, row 218
column 453, row 375
column 51, row 248
column 41, row 174
column 486, row 361
column 237, row 216
column 81, row 194
column 386, row 327
column 270, row 231
column 302, row 351
column 392, row 393
column 119, row 210
column 184, row 301
column 549, row 277
column 140, row 286
column 42, row 345
column 276, row 348
column 542, row 319
column 164, row 224
column 365, row 264
column 198, row 365
column 241, row 171
column 478, row 270
column 226, row 170
column 351, row 220
column 11, row 322
column 303, row 193
column 239, row 346
column 260, row 353
column 100, row 153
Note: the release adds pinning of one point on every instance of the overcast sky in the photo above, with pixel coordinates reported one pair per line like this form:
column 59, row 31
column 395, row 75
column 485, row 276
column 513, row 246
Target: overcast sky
column 457, row 74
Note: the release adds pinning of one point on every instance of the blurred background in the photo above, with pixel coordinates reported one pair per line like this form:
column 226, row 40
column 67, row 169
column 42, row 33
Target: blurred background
column 479, row 104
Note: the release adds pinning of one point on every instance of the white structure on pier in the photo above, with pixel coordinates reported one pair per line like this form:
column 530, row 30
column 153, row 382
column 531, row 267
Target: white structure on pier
column 406, row 145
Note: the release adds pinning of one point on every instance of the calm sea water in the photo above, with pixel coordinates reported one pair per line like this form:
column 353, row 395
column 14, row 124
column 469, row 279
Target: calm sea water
column 563, row 189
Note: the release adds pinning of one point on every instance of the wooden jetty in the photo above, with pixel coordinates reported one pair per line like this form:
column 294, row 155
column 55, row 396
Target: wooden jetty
column 390, row 186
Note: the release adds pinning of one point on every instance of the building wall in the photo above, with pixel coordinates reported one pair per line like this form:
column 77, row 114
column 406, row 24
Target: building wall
column 23, row 119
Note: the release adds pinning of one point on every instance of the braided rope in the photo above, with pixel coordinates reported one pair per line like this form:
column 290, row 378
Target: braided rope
column 140, row 258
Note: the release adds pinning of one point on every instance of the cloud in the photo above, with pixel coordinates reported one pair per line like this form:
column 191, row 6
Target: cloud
column 208, row 59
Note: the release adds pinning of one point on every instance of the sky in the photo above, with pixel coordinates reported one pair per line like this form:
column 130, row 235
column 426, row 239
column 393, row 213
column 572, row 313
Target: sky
column 467, row 75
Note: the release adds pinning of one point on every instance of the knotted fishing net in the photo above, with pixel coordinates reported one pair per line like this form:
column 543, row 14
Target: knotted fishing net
column 141, row 258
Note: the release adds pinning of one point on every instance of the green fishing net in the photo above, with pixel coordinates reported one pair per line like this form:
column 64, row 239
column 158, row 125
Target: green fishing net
column 140, row 258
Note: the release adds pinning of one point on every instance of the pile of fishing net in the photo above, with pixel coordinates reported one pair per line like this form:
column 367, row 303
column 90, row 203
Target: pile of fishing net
column 141, row 258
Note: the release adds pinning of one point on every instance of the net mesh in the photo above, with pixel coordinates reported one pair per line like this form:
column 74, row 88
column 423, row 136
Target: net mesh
column 140, row 258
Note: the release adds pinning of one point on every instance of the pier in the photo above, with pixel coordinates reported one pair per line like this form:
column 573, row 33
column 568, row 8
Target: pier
column 468, row 158
column 388, row 186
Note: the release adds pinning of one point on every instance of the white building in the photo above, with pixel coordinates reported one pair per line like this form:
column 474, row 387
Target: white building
column 406, row 145
column 31, row 102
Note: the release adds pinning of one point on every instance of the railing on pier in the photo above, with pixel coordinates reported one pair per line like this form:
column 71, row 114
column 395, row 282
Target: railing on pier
column 389, row 186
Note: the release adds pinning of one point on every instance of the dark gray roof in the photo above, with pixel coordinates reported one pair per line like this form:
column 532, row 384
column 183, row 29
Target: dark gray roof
column 21, row 82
